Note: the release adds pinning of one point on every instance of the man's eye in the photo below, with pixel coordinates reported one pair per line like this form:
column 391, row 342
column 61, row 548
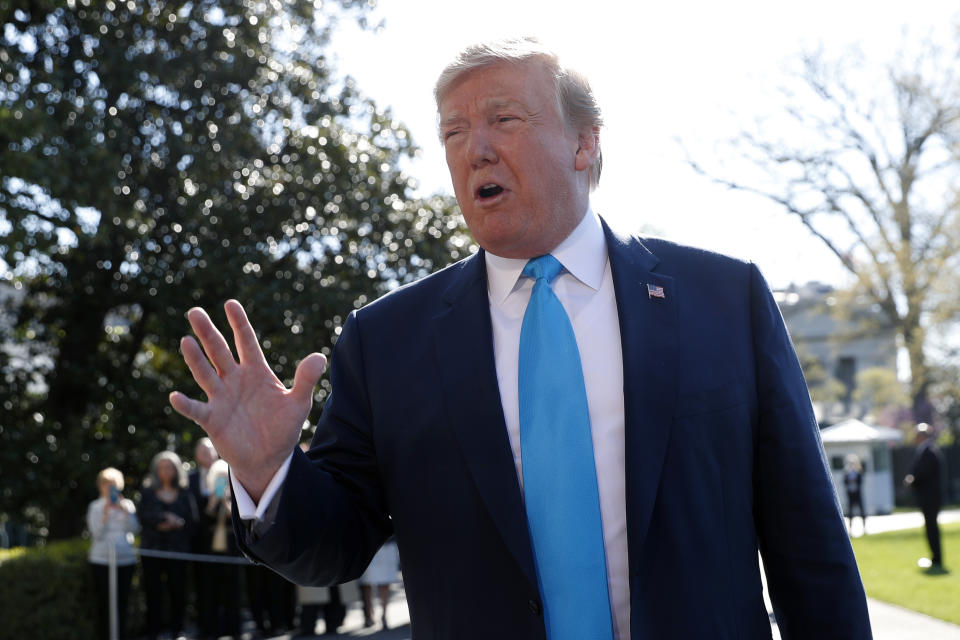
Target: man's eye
column 505, row 118
column 450, row 134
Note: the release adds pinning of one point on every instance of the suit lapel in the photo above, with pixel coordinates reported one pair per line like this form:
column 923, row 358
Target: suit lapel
column 471, row 396
column 648, row 333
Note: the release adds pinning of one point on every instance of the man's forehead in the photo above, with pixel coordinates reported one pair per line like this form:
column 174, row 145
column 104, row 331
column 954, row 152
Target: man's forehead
column 493, row 85
column 483, row 104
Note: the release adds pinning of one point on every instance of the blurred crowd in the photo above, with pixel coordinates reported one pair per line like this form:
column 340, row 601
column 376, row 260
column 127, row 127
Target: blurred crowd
column 189, row 512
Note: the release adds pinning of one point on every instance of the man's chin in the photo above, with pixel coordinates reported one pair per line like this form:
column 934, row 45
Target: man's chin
column 510, row 246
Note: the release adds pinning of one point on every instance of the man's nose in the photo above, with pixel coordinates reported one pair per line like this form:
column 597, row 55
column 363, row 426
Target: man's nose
column 480, row 151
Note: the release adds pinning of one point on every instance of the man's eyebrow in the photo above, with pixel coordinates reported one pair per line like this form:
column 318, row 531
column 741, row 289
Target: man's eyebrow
column 492, row 104
column 452, row 119
column 504, row 103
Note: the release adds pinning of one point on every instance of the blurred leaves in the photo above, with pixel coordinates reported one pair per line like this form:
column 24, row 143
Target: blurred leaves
column 156, row 156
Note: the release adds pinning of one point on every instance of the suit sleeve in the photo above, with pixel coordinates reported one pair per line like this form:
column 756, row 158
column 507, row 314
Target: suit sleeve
column 811, row 572
column 331, row 515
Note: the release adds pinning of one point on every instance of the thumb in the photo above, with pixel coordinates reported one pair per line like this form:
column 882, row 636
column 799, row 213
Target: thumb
column 307, row 375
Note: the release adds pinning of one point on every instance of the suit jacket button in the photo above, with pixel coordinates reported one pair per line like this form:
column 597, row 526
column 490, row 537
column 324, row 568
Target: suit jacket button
column 534, row 607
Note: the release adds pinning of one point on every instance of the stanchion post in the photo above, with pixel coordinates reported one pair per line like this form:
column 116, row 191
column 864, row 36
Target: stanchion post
column 112, row 580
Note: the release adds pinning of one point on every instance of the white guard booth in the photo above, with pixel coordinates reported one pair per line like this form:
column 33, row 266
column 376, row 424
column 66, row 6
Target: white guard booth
column 872, row 445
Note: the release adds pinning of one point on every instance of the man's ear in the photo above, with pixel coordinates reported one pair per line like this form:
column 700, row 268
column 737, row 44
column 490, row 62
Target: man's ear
column 588, row 148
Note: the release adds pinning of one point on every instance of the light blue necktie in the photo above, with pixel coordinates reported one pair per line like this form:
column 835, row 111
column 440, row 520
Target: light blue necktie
column 559, row 476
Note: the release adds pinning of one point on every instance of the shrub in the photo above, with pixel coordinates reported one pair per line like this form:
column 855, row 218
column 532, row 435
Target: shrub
column 46, row 593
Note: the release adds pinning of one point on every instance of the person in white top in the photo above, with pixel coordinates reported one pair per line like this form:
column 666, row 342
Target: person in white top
column 112, row 522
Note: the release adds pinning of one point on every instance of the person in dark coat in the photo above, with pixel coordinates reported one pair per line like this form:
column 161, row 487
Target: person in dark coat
column 853, row 483
column 169, row 514
column 925, row 478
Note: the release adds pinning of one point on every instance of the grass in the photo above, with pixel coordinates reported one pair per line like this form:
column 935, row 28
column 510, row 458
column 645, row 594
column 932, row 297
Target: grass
column 888, row 565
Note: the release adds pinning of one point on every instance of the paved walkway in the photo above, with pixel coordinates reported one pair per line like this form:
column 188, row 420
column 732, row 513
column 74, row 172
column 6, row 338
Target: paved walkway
column 900, row 520
column 891, row 622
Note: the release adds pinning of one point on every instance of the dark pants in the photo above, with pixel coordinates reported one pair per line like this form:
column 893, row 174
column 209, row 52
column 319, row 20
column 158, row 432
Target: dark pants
column 223, row 600
column 101, row 585
column 333, row 612
column 272, row 600
column 855, row 499
column 930, row 512
column 164, row 579
column 202, row 591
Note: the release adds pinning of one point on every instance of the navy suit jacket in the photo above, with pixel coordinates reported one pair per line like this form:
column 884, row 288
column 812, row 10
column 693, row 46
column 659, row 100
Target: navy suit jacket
column 723, row 457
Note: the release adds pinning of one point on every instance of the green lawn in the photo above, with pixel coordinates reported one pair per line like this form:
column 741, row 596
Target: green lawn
column 888, row 564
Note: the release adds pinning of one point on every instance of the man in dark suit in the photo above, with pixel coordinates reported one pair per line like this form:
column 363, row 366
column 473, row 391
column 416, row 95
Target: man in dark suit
column 572, row 434
column 926, row 480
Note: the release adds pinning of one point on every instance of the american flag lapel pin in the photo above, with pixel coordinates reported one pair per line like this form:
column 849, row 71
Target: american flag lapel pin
column 654, row 291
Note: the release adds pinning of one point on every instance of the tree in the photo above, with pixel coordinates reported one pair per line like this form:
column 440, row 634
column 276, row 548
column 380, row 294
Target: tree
column 945, row 394
column 870, row 164
column 825, row 390
column 877, row 390
column 159, row 155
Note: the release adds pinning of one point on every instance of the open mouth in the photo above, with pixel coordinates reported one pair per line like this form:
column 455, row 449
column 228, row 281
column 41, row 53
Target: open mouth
column 489, row 190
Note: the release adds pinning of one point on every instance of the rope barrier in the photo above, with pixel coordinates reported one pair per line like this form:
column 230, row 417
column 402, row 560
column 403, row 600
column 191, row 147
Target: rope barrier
column 157, row 553
column 193, row 557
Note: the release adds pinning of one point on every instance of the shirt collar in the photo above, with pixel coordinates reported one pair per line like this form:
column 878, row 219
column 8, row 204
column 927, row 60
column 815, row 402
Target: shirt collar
column 583, row 253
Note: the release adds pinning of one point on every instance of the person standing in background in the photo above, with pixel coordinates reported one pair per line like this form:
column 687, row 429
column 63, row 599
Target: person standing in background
column 169, row 516
column 272, row 600
column 111, row 520
column 222, row 580
column 925, row 478
column 380, row 573
column 204, row 455
column 853, row 483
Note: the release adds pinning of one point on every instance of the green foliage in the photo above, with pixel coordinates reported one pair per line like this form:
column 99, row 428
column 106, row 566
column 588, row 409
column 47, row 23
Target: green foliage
column 879, row 388
column 946, row 397
column 157, row 156
column 823, row 388
column 47, row 593
column 888, row 566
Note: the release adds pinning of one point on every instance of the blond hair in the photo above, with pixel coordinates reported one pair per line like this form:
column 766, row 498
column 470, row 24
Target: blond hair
column 111, row 475
column 853, row 463
column 575, row 100
column 219, row 469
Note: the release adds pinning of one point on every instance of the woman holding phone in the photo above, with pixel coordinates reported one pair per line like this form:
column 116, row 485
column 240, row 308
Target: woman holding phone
column 111, row 520
column 224, row 596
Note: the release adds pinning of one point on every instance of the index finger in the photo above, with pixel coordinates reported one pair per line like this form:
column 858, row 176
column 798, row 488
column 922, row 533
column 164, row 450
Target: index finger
column 248, row 347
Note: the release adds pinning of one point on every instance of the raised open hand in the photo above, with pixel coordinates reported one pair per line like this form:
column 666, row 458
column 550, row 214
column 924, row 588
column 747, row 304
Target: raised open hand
column 253, row 420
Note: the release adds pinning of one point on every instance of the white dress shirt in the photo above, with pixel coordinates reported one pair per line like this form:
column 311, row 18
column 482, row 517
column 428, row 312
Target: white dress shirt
column 585, row 289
